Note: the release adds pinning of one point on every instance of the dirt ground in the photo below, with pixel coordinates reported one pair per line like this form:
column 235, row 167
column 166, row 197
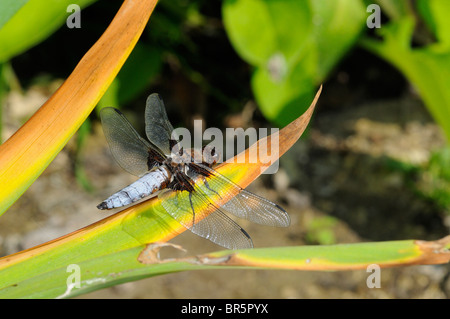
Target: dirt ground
column 340, row 170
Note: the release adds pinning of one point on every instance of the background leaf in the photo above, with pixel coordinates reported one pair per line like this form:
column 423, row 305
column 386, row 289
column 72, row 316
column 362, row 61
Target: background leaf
column 261, row 29
column 280, row 99
column 143, row 65
column 298, row 44
column 26, row 28
column 435, row 15
column 338, row 25
column 427, row 68
column 8, row 8
column 395, row 9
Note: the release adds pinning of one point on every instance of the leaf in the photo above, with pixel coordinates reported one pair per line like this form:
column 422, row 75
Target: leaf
column 281, row 100
column 297, row 45
column 8, row 8
column 143, row 261
column 435, row 14
column 27, row 153
column 138, row 72
column 396, row 9
column 338, row 27
column 283, row 28
column 341, row 257
column 260, row 29
column 428, row 68
column 113, row 244
column 33, row 23
column 135, row 76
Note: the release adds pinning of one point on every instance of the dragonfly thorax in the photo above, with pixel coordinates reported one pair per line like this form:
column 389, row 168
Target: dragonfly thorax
column 183, row 169
column 177, row 163
column 207, row 156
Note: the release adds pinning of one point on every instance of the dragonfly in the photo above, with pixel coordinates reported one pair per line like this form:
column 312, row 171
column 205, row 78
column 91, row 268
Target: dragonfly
column 190, row 190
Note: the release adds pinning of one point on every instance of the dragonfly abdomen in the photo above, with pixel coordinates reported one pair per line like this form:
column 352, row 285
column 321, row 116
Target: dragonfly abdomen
column 148, row 184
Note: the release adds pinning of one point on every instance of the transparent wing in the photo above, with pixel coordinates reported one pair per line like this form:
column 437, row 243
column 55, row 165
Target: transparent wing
column 189, row 210
column 157, row 125
column 128, row 148
column 240, row 202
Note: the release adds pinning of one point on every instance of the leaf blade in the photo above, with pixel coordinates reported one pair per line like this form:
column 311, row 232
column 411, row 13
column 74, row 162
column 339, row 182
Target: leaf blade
column 131, row 264
column 25, row 28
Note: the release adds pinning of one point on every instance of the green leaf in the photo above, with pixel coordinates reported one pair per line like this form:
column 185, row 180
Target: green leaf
column 260, row 29
column 33, row 23
column 428, row 68
column 433, row 179
column 435, row 14
column 298, row 44
column 338, row 26
column 320, row 230
column 281, row 100
column 111, row 96
column 139, row 262
column 8, row 8
column 395, row 9
column 139, row 70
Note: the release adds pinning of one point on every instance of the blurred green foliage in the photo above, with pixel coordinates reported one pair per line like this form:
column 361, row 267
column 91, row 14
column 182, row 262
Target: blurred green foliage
column 430, row 180
column 27, row 23
column 9, row 8
column 435, row 15
column 143, row 65
column 426, row 65
column 433, row 181
column 293, row 46
column 321, row 230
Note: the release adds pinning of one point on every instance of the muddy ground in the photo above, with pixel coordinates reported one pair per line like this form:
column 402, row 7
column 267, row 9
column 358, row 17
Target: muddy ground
column 340, row 169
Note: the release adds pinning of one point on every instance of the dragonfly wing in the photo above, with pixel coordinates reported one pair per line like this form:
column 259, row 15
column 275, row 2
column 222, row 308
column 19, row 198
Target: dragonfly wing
column 257, row 209
column 128, row 148
column 190, row 210
column 157, row 125
column 240, row 202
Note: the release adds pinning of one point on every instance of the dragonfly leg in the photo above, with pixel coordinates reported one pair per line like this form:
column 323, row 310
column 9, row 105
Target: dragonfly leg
column 212, row 190
column 193, row 211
